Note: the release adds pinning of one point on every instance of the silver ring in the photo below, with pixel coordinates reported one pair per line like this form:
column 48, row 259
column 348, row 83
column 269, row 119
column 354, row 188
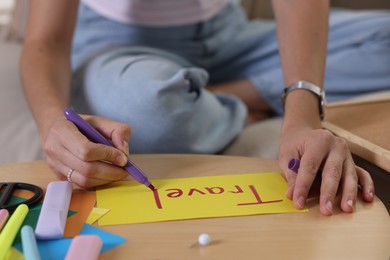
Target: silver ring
column 69, row 176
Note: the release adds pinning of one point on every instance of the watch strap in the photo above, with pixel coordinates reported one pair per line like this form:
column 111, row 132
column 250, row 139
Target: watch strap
column 304, row 85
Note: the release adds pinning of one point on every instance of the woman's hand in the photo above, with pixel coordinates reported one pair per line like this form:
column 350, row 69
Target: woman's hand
column 319, row 150
column 92, row 164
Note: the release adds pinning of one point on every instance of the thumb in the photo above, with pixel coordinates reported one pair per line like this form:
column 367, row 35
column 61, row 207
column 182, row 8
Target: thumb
column 120, row 138
column 118, row 132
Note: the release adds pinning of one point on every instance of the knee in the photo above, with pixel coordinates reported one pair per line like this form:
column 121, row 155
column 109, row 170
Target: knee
column 130, row 78
column 157, row 98
column 158, row 83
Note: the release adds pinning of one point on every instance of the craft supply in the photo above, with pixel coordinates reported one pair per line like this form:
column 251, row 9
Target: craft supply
column 293, row 164
column 8, row 189
column 198, row 197
column 95, row 214
column 52, row 219
column 3, row 217
column 204, row 239
column 93, row 135
column 10, row 230
column 29, row 243
column 84, row 247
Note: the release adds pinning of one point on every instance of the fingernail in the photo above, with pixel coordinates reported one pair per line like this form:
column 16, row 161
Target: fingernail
column 122, row 160
column 350, row 203
column 329, row 206
column 301, row 202
column 371, row 194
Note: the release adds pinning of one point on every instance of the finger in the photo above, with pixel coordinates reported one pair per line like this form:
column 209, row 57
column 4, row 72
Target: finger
column 54, row 165
column 316, row 151
column 89, row 179
column 290, row 190
column 349, row 188
column 291, row 177
column 331, row 175
column 96, row 169
column 366, row 183
column 118, row 132
column 309, row 166
column 74, row 177
column 85, row 150
column 120, row 138
column 84, row 182
column 289, row 174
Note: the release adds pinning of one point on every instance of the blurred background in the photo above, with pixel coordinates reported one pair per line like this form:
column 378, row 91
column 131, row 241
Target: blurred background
column 18, row 135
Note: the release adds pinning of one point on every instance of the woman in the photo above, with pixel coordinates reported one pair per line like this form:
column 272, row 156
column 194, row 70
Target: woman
column 187, row 76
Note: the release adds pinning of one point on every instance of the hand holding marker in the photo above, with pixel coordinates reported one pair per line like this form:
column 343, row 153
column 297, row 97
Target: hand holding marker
column 93, row 135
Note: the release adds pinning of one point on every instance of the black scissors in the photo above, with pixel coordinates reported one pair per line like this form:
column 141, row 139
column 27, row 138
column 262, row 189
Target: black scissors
column 7, row 189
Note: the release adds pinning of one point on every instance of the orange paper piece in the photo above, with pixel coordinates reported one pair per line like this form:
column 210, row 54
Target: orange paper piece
column 82, row 202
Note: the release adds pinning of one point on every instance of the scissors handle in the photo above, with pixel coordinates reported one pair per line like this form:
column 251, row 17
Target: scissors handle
column 8, row 188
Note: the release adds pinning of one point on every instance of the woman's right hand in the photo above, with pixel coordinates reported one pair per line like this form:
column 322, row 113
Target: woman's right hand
column 67, row 149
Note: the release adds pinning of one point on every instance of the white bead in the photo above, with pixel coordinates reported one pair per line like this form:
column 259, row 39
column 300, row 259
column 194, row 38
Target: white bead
column 204, row 239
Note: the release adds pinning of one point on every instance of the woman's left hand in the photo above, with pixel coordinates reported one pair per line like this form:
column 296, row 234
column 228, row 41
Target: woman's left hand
column 319, row 150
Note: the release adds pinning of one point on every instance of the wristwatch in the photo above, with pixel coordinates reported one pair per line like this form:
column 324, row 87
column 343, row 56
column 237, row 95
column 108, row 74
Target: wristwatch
column 316, row 90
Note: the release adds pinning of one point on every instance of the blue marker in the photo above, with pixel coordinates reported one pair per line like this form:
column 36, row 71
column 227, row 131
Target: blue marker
column 29, row 243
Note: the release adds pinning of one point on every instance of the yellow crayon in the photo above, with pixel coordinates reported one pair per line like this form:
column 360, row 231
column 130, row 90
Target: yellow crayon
column 10, row 230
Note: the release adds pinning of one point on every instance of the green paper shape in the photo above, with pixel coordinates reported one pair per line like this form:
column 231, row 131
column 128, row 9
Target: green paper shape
column 32, row 216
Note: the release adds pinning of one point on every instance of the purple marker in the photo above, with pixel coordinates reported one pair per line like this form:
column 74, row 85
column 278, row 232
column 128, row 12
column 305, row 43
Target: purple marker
column 93, row 135
column 293, row 164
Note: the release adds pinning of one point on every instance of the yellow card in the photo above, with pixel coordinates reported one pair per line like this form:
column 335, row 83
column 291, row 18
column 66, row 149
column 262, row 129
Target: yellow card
column 95, row 214
column 191, row 198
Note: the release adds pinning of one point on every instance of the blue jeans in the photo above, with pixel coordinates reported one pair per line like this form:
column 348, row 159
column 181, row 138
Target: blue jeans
column 153, row 78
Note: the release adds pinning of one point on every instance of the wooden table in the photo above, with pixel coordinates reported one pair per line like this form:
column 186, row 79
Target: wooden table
column 366, row 131
column 364, row 234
